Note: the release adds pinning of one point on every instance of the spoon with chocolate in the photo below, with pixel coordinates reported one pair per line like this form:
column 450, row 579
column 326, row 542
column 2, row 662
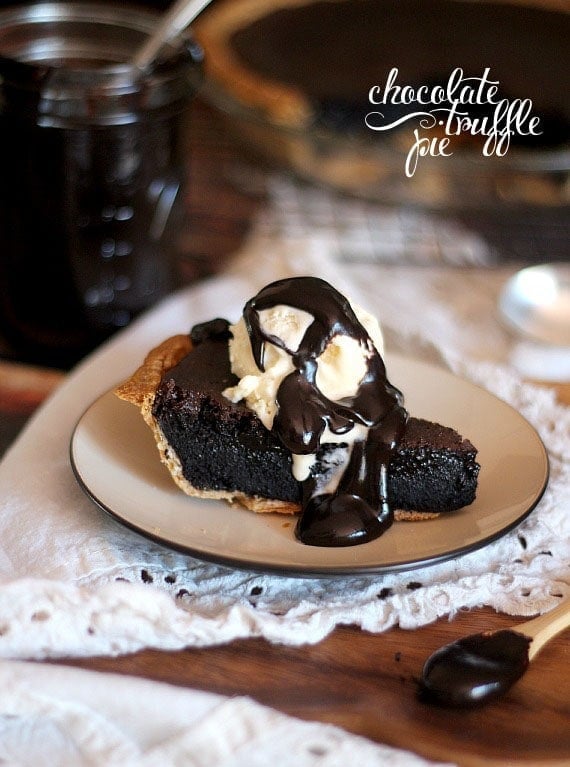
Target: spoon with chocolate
column 482, row 667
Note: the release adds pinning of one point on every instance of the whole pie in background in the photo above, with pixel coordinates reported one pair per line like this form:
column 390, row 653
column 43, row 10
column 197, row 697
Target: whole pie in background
column 305, row 69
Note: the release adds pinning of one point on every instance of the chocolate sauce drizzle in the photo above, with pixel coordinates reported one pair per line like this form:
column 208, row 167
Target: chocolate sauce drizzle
column 359, row 509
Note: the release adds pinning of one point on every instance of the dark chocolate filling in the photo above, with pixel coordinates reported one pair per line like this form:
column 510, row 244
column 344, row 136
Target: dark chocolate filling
column 221, row 446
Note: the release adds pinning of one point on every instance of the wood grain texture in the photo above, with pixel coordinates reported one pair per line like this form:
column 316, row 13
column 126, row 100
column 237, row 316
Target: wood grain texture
column 366, row 684
column 23, row 387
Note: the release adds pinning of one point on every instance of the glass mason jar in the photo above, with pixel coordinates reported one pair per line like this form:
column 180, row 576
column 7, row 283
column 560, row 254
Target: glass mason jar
column 91, row 173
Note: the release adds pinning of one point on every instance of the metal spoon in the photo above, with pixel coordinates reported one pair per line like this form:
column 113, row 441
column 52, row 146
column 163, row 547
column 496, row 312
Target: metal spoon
column 174, row 21
column 535, row 302
column 482, row 667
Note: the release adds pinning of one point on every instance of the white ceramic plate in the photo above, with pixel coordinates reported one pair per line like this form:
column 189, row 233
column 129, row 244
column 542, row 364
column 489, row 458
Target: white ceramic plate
column 116, row 462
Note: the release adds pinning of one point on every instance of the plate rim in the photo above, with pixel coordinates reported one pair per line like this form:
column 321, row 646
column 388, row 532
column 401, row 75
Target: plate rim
column 317, row 570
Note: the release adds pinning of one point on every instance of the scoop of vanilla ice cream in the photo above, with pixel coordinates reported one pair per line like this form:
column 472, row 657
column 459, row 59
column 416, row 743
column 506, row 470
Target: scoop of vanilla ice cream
column 340, row 368
column 259, row 388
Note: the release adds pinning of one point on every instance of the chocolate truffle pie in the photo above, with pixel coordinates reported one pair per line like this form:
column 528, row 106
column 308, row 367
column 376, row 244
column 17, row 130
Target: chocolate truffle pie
column 289, row 410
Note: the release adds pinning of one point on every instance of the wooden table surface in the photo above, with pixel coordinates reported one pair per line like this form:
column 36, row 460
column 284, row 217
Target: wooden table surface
column 363, row 682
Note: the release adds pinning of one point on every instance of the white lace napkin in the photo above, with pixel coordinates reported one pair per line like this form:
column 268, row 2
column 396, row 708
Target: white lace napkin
column 65, row 717
column 75, row 582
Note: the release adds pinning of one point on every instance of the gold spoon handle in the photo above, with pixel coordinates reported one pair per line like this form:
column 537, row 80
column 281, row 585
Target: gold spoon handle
column 542, row 629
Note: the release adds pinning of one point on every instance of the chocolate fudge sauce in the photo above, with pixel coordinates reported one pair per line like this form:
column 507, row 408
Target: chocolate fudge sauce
column 91, row 164
column 359, row 509
column 475, row 669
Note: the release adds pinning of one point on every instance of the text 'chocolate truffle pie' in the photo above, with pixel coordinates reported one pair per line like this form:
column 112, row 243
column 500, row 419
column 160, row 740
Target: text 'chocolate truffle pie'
column 290, row 410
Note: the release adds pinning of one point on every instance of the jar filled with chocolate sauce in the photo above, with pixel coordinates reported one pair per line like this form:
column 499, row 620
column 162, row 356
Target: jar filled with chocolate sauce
column 91, row 173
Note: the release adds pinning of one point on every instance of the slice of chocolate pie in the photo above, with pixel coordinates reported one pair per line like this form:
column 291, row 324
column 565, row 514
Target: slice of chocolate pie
column 290, row 410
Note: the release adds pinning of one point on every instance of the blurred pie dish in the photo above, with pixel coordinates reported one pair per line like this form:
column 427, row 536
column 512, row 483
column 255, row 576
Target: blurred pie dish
column 299, row 74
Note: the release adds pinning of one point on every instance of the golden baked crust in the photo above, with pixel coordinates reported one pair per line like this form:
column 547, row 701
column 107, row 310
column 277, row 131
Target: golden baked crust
column 142, row 385
column 140, row 390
